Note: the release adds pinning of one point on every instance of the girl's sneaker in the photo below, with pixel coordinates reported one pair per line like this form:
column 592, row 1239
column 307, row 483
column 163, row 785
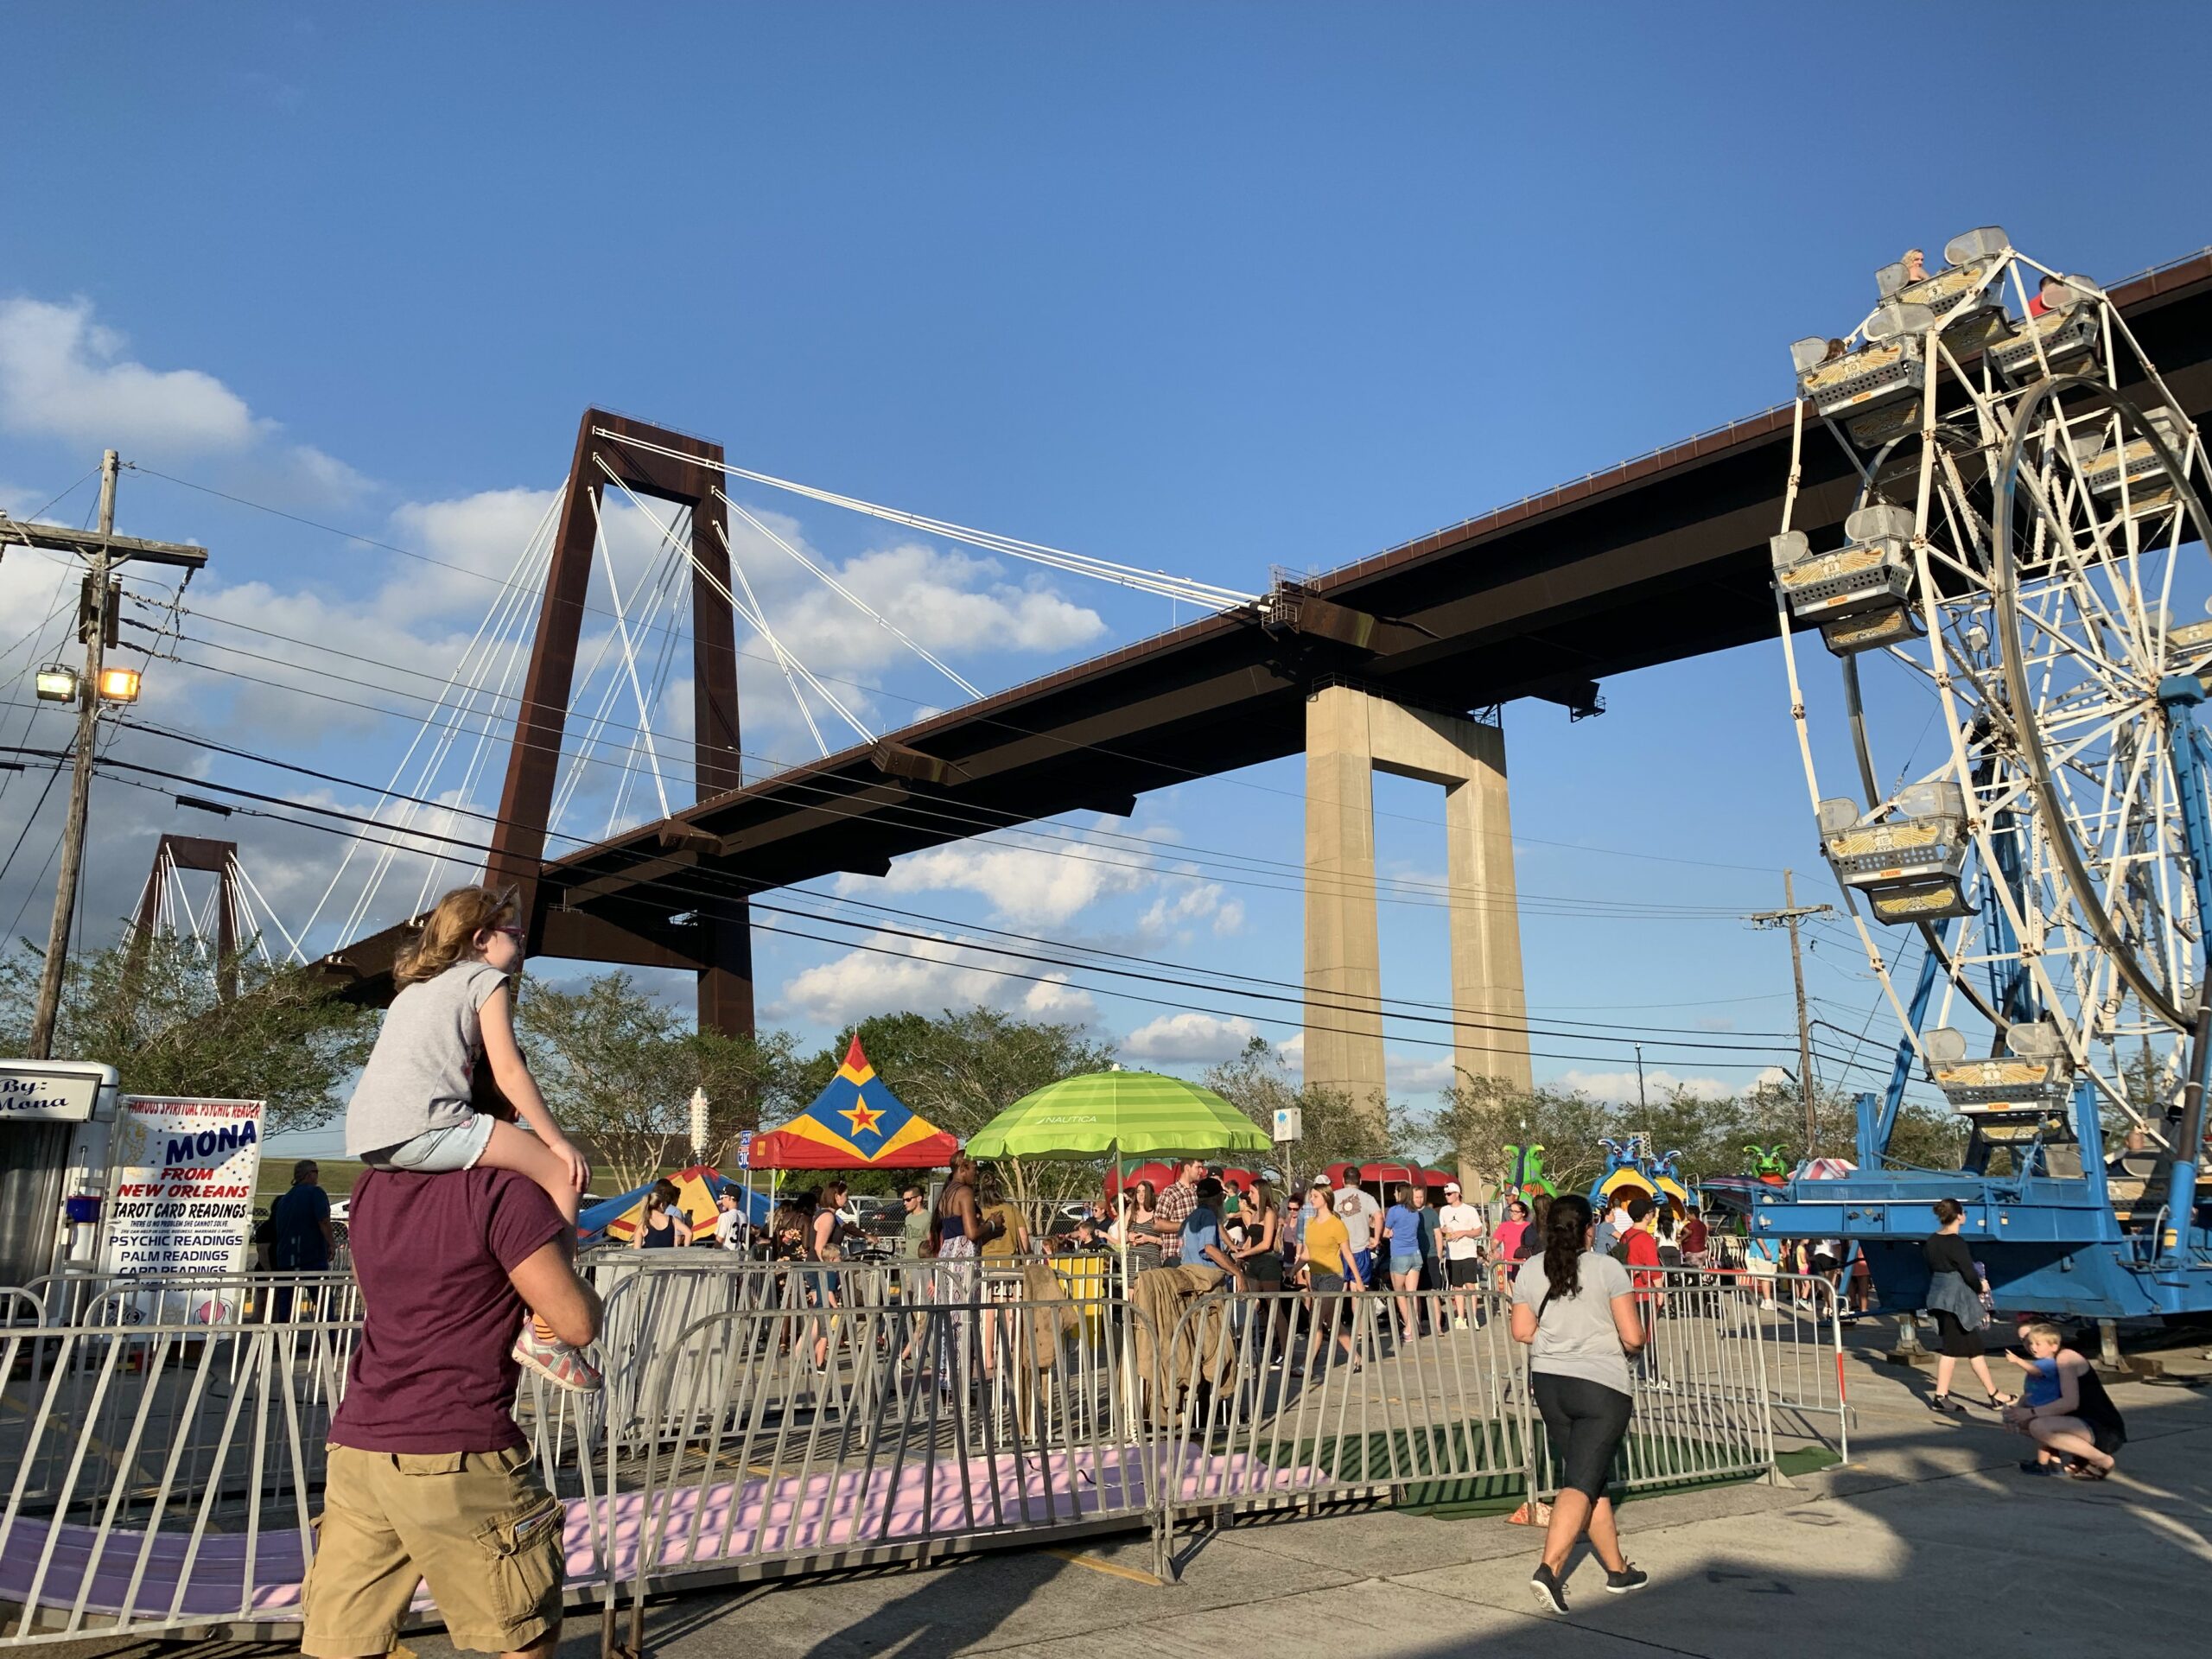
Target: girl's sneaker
column 562, row 1366
column 1631, row 1577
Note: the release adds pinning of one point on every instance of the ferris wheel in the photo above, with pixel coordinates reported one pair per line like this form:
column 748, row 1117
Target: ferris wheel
column 2023, row 579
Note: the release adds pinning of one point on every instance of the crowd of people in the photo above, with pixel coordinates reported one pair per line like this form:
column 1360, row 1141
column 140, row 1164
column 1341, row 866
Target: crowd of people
column 462, row 1235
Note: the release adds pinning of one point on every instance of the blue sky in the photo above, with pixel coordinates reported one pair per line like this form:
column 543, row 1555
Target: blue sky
column 1208, row 288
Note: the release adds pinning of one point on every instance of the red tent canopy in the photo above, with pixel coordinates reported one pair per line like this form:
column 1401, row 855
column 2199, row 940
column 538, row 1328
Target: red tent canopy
column 1158, row 1174
column 1387, row 1174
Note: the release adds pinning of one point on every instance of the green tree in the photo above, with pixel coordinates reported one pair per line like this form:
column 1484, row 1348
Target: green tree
column 1484, row 1115
column 1333, row 1127
column 159, row 1016
column 618, row 1067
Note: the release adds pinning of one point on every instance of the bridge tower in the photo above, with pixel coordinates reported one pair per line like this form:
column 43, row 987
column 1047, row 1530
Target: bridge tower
column 216, row 858
column 718, row 940
column 1350, row 735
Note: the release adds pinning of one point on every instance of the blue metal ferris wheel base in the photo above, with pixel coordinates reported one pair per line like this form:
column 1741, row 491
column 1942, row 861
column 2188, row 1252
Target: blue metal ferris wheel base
column 2057, row 1238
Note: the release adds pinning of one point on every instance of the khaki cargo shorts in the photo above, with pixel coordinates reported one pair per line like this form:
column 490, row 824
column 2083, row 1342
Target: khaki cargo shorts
column 478, row 1525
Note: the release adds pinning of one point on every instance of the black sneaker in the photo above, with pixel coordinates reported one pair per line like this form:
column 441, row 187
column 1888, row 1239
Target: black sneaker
column 1550, row 1596
column 1631, row 1577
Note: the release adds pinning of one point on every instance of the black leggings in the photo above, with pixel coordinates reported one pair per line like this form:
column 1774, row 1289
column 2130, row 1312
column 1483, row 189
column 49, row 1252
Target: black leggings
column 1586, row 1422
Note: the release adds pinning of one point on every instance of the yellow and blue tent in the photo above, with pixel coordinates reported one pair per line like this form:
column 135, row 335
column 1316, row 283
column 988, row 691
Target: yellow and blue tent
column 696, row 1188
column 856, row 1123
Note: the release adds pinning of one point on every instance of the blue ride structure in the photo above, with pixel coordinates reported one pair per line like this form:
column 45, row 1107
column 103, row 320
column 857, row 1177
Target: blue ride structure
column 2027, row 541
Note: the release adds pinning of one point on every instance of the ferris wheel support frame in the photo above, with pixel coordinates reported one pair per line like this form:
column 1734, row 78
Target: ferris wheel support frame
column 2180, row 696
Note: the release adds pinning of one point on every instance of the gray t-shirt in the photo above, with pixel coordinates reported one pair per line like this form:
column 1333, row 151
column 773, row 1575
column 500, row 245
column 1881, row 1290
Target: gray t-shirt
column 1575, row 1335
column 418, row 1077
column 1354, row 1207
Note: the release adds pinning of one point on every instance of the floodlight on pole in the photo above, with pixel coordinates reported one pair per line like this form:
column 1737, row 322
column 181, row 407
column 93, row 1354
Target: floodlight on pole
column 119, row 685
column 56, row 683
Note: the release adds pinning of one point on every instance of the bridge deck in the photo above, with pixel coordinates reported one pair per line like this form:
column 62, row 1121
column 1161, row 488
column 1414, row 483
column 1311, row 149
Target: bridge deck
column 1661, row 558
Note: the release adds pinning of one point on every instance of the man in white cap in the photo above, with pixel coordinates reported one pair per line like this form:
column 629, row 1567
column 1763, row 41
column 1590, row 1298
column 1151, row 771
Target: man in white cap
column 1459, row 1225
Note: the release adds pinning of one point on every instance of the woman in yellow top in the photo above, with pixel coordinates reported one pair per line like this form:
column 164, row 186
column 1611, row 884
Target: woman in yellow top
column 1005, row 1235
column 1324, row 1256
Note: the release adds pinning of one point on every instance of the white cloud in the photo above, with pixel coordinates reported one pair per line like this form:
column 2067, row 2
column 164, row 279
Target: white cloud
column 1024, row 884
column 1620, row 1086
column 1190, row 1037
column 923, row 974
column 65, row 375
column 484, row 534
column 1174, row 910
column 1292, row 1051
column 1425, row 1075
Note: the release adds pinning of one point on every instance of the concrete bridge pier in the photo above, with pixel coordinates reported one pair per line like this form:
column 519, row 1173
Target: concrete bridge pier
column 1350, row 735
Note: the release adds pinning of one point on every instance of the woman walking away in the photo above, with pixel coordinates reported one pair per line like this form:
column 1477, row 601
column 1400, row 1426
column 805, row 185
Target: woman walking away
column 1958, row 1296
column 1578, row 1310
column 663, row 1226
column 414, row 1108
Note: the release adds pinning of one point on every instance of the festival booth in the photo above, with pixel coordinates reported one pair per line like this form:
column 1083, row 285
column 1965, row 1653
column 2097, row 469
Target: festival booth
column 698, row 1189
column 855, row 1122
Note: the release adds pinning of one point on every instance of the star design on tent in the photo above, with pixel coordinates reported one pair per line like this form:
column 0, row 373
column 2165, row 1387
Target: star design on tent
column 864, row 1118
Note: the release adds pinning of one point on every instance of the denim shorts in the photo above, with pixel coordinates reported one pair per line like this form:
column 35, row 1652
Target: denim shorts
column 435, row 1152
column 1406, row 1263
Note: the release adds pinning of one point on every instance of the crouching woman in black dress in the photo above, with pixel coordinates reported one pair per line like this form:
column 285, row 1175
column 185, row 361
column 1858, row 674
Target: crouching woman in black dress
column 2083, row 1425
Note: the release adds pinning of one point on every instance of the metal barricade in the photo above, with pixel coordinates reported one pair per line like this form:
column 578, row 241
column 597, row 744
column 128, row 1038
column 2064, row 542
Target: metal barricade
column 1279, row 1399
column 775, row 1439
column 1799, row 1323
column 164, row 1476
column 233, row 1299
column 1703, row 1408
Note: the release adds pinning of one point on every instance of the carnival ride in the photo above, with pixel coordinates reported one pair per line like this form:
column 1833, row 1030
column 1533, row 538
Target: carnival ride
column 1524, row 1175
column 1631, row 1166
column 2028, row 538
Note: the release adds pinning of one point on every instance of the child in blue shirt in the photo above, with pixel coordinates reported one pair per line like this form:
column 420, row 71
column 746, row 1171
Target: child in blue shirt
column 2041, row 1387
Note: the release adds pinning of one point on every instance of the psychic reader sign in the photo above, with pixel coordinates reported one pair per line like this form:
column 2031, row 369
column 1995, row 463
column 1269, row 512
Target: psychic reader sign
column 181, row 1199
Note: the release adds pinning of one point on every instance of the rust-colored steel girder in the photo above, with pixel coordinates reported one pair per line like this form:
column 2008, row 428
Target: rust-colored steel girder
column 716, row 940
column 1661, row 558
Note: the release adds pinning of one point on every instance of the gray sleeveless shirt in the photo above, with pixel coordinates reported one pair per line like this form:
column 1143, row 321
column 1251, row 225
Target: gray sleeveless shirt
column 418, row 1077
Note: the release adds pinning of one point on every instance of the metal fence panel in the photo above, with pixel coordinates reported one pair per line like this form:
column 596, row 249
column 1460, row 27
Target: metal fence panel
column 788, row 1438
column 1279, row 1396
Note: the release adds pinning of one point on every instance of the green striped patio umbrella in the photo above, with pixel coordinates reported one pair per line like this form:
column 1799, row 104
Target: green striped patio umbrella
column 1139, row 1113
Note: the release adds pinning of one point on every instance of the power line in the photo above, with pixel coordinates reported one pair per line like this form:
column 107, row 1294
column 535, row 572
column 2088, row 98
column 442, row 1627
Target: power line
column 759, row 905
column 994, row 721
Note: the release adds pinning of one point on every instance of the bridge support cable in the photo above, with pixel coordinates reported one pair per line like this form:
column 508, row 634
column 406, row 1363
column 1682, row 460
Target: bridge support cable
column 600, row 545
column 755, row 618
column 678, row 598
column 839, row 587
column 1160, row 582
column 510, row 668
column 603, row 720
column 512, row 596
column 264, row 910
column 507, row 637
column 499, row 618
column 749, row 608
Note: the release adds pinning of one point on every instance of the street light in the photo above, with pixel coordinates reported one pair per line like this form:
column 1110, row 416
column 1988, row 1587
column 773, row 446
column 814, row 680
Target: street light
column 56, row 683
column 119, row 685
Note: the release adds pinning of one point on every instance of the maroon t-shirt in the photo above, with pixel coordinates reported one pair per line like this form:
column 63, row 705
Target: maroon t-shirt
column 434, row 1371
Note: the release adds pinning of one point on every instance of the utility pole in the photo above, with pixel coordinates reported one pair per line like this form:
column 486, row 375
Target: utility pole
column 102, row 549
column 1642, row 1106
column 1789, row 916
